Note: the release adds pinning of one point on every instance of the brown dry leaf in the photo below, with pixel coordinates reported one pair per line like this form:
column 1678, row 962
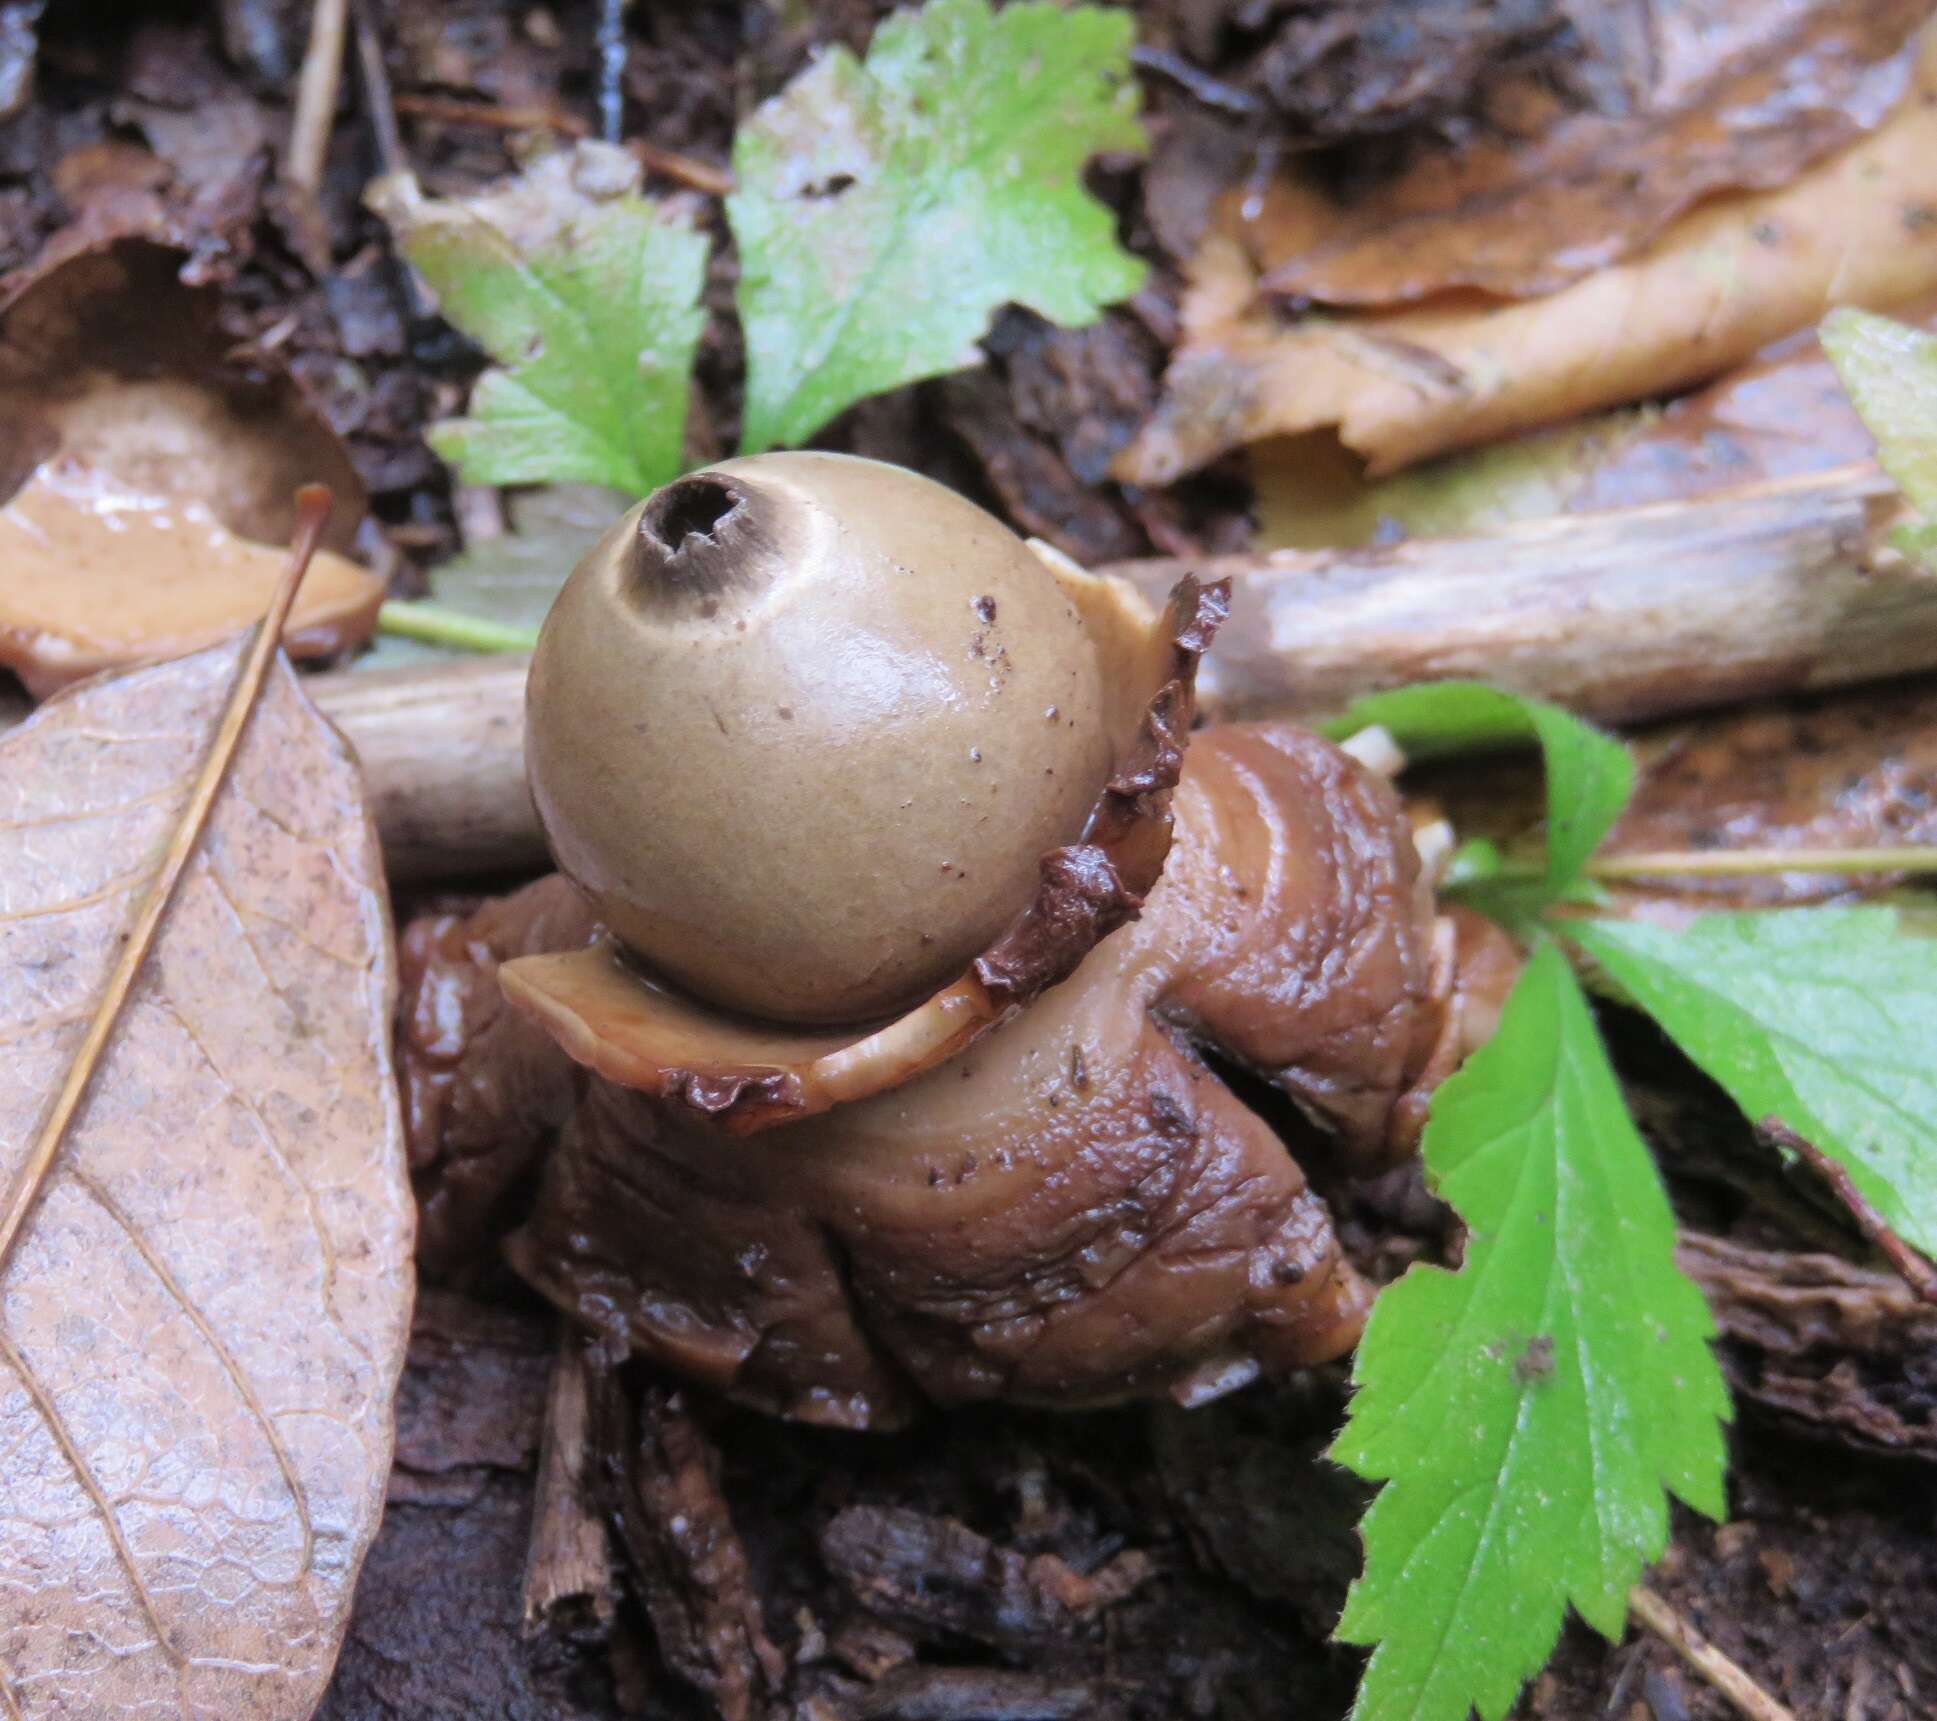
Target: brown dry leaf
column 93, row 577
column 116, row 380
column 1735, row 95
column 203, row 1320
column 1718, row 285
column 1781, row 415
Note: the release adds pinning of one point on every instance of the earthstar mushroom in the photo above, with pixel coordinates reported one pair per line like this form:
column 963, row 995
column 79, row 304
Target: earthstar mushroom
column 1037, row 1181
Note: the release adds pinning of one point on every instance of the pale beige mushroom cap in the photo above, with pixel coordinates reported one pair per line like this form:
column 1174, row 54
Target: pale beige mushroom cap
column 803, row 727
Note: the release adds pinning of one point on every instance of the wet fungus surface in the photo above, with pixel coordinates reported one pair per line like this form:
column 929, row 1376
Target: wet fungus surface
column 1033, row 1183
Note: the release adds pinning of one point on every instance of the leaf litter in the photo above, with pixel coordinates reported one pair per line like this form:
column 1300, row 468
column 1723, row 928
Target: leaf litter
column 145, row 474
column 1715, row 286
column 204, row 1311
column 1715, row 96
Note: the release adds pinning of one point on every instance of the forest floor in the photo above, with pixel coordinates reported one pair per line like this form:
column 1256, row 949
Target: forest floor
column 1145, row 1561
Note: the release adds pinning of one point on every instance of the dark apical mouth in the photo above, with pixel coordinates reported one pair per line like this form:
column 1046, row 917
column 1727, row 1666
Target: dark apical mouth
column 693, row 508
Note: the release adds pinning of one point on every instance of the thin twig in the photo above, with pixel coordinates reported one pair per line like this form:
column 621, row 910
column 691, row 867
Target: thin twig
column 1725, row 1675
column 1742, row 863
column 1912, row 1267
column 380, row 109
column 700, row 175
column 1213, row 92
column 312, row 513
column 309, row 130
column 449, row 110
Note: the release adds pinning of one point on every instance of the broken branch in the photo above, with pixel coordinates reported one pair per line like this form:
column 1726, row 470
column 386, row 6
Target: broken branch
column 1624, row 615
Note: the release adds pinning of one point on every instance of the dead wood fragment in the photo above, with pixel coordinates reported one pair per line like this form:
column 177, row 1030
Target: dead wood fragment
column 1837, row 1351
column 568, row 1572
column 932, row 1574
column 688, row 1562
column 983, row 1694
column 1660, row 1617
column 1619, row 616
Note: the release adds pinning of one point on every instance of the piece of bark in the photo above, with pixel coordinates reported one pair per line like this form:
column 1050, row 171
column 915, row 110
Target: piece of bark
column 687, row 1560
column 1619, row 616
column 934, row 1575
column 983, row 1694
column 568, row 1572
column 443, row 752
column 1841, row 1352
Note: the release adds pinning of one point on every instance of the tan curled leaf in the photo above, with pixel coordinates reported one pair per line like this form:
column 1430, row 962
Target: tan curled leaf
column 144, row 468
column 1720, row 283
column 1723, row 95
column 203, row 1318
column 1782, row 414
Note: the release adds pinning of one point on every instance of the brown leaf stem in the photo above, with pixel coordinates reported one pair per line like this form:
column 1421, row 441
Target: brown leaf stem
column 1915, row 1270
column 312, row 513
column 1725, row 1675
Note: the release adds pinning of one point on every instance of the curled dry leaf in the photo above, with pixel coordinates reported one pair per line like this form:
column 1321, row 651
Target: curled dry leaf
column 1732, row 96
column 143, row 469
column 1713, row 288
column 202, row 1321
column 1782, row 414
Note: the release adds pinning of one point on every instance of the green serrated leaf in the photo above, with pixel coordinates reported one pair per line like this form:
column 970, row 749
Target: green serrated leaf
column 1589, row 774
column 885, row 210
column 1823, row 1017
column 1529, row 1413
column 1890, row 372
column 588, row 297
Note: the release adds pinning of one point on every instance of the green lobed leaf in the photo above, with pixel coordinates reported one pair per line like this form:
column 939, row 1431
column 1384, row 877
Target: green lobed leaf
column 1529, row 1413
column 1823, row 1017
column 588, row 298
column 885, row 210
column 1890, row 372
column 1589, row 774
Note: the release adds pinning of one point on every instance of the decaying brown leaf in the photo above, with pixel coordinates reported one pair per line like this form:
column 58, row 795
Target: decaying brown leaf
column 1716, row 286
column 1782, row 414
column 93, row 577
column 136, row 451
column 203, row 1318
column 1733, row 94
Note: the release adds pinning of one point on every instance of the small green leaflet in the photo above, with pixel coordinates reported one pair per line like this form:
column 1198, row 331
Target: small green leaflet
column 1589, row 775
column 589, row 299
column 1526, row 1413
column 885, row 210
column 1889, row 371
column 502, row 587
column 1823, row 1017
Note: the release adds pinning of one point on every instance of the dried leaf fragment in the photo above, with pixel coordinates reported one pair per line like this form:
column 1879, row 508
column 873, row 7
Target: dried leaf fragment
column 1716, row 286
column 203, row 1319
column 93, row 576
column 1735, row 96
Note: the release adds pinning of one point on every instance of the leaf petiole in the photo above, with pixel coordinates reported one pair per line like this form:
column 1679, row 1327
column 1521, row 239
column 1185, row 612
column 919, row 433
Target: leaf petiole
column 1736, row 863
column 435, row 624
column 1732, row 863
